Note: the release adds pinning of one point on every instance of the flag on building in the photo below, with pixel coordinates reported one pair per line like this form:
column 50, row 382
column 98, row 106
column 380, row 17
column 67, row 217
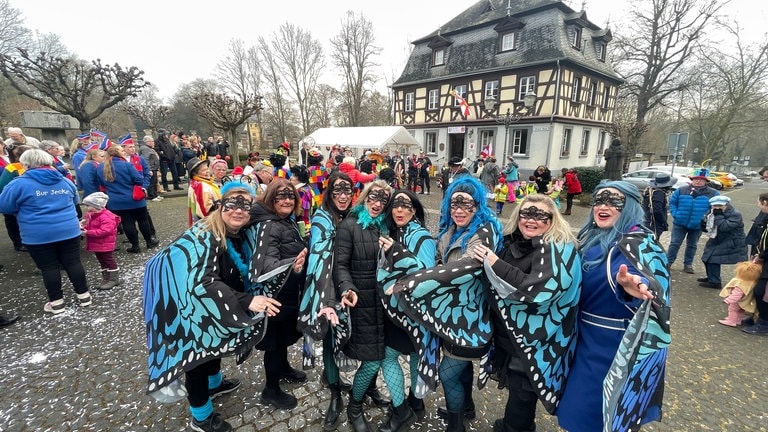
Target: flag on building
column 463, row 105
column 126, row 139
column 487, row 151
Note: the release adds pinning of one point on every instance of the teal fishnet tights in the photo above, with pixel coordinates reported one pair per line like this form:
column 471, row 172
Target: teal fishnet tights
column 456, row 376
column 331, row 370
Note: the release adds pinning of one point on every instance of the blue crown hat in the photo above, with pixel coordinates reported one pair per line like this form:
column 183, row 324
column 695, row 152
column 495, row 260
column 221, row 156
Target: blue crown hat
column 701, row 173
column 237, row 185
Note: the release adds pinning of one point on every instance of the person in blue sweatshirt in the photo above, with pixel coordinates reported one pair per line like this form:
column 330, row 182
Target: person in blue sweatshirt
column 41, row 198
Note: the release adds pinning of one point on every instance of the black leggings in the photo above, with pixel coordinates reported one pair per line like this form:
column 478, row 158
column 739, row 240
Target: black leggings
column 275, row 363
column 196, row 381
column 132, row 217
column 762, row 306
column 520, row 413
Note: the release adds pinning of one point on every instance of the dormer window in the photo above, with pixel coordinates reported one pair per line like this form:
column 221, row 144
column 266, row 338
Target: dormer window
column 576, row 37
column 508, row 31
column 439, row 45
column 508, row 41
column 600, row 49
column 438, row 57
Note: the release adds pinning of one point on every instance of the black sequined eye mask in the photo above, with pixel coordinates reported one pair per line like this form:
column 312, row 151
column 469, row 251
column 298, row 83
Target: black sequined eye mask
column 535, row 213
column 285, row 194
column 610, row 199
column 237, row 202
column 460, row 202
column 342, row 188
column 379, row 195
column 402, row 203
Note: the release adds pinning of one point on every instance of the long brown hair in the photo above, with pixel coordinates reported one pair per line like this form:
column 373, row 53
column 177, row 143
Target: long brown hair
column 109, row 172
column 276, row 185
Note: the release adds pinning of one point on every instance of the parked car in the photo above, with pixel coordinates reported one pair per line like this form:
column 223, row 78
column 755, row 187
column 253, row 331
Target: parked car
column 642, row 178
column 732, row 177
column 723, row 178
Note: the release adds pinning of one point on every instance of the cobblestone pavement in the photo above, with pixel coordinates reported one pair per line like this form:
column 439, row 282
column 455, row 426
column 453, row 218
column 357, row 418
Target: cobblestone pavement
column 85, row 369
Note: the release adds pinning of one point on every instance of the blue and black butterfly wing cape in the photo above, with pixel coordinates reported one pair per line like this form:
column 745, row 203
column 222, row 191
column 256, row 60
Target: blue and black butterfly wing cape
column 191, row 316
column 417, row 252
column 633, row 389
column 450, row 300
column 540, row 310
column 320, row 292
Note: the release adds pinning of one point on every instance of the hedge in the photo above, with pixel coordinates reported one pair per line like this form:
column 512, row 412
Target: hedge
column 590, row 177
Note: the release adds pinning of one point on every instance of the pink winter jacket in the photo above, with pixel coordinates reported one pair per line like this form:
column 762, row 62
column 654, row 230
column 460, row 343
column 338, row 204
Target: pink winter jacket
column 101, row 231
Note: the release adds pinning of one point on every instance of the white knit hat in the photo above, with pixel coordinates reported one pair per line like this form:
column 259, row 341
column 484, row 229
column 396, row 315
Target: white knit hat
column 97, row 200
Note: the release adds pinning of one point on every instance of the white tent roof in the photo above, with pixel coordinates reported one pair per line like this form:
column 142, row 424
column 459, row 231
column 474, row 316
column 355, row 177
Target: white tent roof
column 374, row 137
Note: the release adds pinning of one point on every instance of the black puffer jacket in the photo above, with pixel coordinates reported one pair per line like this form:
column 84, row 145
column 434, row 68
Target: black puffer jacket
column 356, row 252
column 284, row 243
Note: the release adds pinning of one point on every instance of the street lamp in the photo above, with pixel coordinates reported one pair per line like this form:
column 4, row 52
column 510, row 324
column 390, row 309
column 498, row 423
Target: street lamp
column 529, row 102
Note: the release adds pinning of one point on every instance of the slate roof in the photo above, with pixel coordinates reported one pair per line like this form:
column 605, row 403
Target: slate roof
column 471, row 42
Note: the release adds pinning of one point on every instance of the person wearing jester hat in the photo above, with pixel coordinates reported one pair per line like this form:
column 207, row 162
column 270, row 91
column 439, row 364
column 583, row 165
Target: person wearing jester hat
column 279, row 160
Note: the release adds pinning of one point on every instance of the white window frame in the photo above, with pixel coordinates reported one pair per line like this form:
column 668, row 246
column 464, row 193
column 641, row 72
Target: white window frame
column 438, row 57
column 600, row 49
column 565, row 145
column 433, row 99
column 410, row 98
column 592, row 98
column 585, row 135
column 576, row 89
column 606, row 96
column 430, row 142
column 519, row 142
column 601, row 142
column 491, row 89
column 486, row 136
column 509, row 41
column 576, row 37
column 527, row 85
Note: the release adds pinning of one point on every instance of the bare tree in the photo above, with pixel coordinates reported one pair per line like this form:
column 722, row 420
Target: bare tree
column 300, row 61
column 728, row 97
column 352, row 52
column 661, row 36
column 183, row 114
column 279, row 113
column 227, row 113
column 70, row 86
column 13, row 34
column 148, row 108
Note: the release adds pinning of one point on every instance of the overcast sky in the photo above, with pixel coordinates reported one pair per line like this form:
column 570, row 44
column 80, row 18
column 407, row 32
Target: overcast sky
column 175, row 41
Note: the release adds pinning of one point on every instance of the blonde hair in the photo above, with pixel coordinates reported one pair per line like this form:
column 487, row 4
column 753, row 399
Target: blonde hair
column 379, row 184
column 214, row 222
column 109, row 172
column 91, row 155
column 559, row 230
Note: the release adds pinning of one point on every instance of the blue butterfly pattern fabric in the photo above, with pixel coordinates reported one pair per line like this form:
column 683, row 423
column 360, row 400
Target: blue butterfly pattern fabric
column 450, row 300
column 417, row 252
column 191, row 316
column 633, row 389
column 320, row 292
column 540, row 315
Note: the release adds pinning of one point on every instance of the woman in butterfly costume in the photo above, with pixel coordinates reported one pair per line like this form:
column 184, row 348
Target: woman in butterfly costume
column 200, row 305
column 408, row 248
column 450, row 300
column 534, row 289
column 616, row 381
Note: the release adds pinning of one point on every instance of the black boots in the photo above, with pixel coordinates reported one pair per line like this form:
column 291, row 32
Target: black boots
column 376, row 397
column 417, row 405
column 356, row 417
column 455, row 422
column 398, row 419
column 333, row 414
column 500, row 426
column 469, row 409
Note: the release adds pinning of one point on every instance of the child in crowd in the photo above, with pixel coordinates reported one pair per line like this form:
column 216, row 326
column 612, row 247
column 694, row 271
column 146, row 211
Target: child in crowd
column 525, row 189
column 500, row 193
column 554, row 190
column 99, row 226
column 737, row 294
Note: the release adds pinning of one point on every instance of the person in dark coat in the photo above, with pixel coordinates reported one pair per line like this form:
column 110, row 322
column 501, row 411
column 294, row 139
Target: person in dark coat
column 727, row 242
column 759, row 326
column 167, row 153
column 273, row 213
column 455, row 169
column 354, row 272
column 655, row 203
column 542, row 176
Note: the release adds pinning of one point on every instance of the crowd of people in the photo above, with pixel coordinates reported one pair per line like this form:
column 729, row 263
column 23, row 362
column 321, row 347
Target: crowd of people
column 336, row 252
